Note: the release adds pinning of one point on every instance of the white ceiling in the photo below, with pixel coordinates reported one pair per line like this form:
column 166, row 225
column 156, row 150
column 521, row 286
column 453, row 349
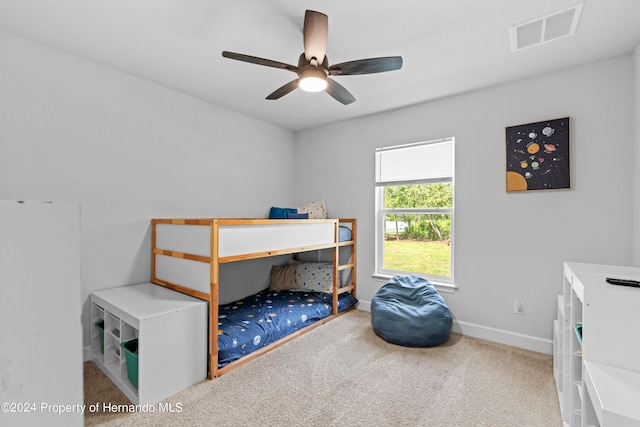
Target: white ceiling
column 448, row 46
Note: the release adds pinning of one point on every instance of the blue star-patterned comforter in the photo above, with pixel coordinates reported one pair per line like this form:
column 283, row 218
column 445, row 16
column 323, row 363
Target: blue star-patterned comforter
column 258, row 320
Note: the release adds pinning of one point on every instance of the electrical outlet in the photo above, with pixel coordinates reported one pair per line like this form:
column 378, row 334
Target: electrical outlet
column 518, row 307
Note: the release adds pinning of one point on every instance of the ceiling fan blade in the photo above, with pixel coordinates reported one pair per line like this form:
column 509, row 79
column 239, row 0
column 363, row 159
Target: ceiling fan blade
column 315, row 34
column 259, row 61
column 338, row 91
column 283, row 90
column 366, row 66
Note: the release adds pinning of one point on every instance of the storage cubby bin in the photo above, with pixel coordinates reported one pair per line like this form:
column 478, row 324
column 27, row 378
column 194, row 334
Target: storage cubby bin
column 100, row 326
column 131, row 357
column 97, row 333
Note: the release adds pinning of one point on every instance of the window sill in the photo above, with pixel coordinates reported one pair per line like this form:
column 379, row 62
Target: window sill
column 440, row 286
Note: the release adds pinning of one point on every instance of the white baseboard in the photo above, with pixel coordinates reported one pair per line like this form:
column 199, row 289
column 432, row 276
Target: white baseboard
column 86, row 353
column 501, row 336
column 364, row 305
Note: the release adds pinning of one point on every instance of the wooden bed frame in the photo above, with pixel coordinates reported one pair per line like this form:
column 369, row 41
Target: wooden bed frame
column 186, row 255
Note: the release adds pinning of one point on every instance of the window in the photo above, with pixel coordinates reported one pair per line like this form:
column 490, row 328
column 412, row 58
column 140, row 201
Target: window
column 414, row 210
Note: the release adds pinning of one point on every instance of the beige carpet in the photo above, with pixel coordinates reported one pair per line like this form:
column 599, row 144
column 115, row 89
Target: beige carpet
column 343, row 374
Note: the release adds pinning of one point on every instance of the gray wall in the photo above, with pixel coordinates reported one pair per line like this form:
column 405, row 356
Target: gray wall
column 507, row 245
column 129, row 151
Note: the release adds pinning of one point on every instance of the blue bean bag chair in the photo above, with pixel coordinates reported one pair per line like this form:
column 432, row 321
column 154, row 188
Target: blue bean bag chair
column 409, row 311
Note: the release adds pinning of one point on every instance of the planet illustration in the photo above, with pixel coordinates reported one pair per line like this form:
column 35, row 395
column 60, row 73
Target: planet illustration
column 538, row 156
column 516, row 182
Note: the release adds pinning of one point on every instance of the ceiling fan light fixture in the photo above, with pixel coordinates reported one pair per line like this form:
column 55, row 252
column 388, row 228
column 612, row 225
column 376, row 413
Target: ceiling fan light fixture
column 312, row 80
column 313, row 68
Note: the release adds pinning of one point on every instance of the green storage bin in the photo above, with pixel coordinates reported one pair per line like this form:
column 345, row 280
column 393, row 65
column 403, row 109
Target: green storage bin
column 131, row 353
column 578, row 329
column 100, row 326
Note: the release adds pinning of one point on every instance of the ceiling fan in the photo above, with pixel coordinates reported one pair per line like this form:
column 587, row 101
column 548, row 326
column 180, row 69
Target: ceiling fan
column 313, row 67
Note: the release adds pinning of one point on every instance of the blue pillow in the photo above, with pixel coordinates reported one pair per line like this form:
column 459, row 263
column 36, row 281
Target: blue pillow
column 344, row 234
column 297, row 215
column 281, row 213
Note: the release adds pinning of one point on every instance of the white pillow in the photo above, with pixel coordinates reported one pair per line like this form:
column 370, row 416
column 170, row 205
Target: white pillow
column 315, row 277
column 316, row 210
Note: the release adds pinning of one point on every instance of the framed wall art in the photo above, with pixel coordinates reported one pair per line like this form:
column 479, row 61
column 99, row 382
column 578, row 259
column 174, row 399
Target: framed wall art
column 538, row 156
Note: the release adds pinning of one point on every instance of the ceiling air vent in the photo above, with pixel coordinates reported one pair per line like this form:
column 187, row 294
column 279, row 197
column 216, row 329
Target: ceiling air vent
column 546, row 28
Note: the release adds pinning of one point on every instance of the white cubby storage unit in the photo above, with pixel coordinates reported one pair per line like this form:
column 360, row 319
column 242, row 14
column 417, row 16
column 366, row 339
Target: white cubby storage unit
column 597, row 368
column 172, row 339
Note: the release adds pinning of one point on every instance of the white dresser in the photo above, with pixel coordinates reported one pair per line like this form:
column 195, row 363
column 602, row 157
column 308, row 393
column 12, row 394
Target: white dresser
column 597, row 366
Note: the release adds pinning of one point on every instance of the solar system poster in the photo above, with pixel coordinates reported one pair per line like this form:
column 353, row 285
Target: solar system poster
column 538, row 156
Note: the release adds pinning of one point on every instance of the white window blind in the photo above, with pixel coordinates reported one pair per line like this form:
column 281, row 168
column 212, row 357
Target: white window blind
column 423, row 161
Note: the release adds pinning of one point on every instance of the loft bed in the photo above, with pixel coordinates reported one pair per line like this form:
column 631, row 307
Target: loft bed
column 186, row 255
